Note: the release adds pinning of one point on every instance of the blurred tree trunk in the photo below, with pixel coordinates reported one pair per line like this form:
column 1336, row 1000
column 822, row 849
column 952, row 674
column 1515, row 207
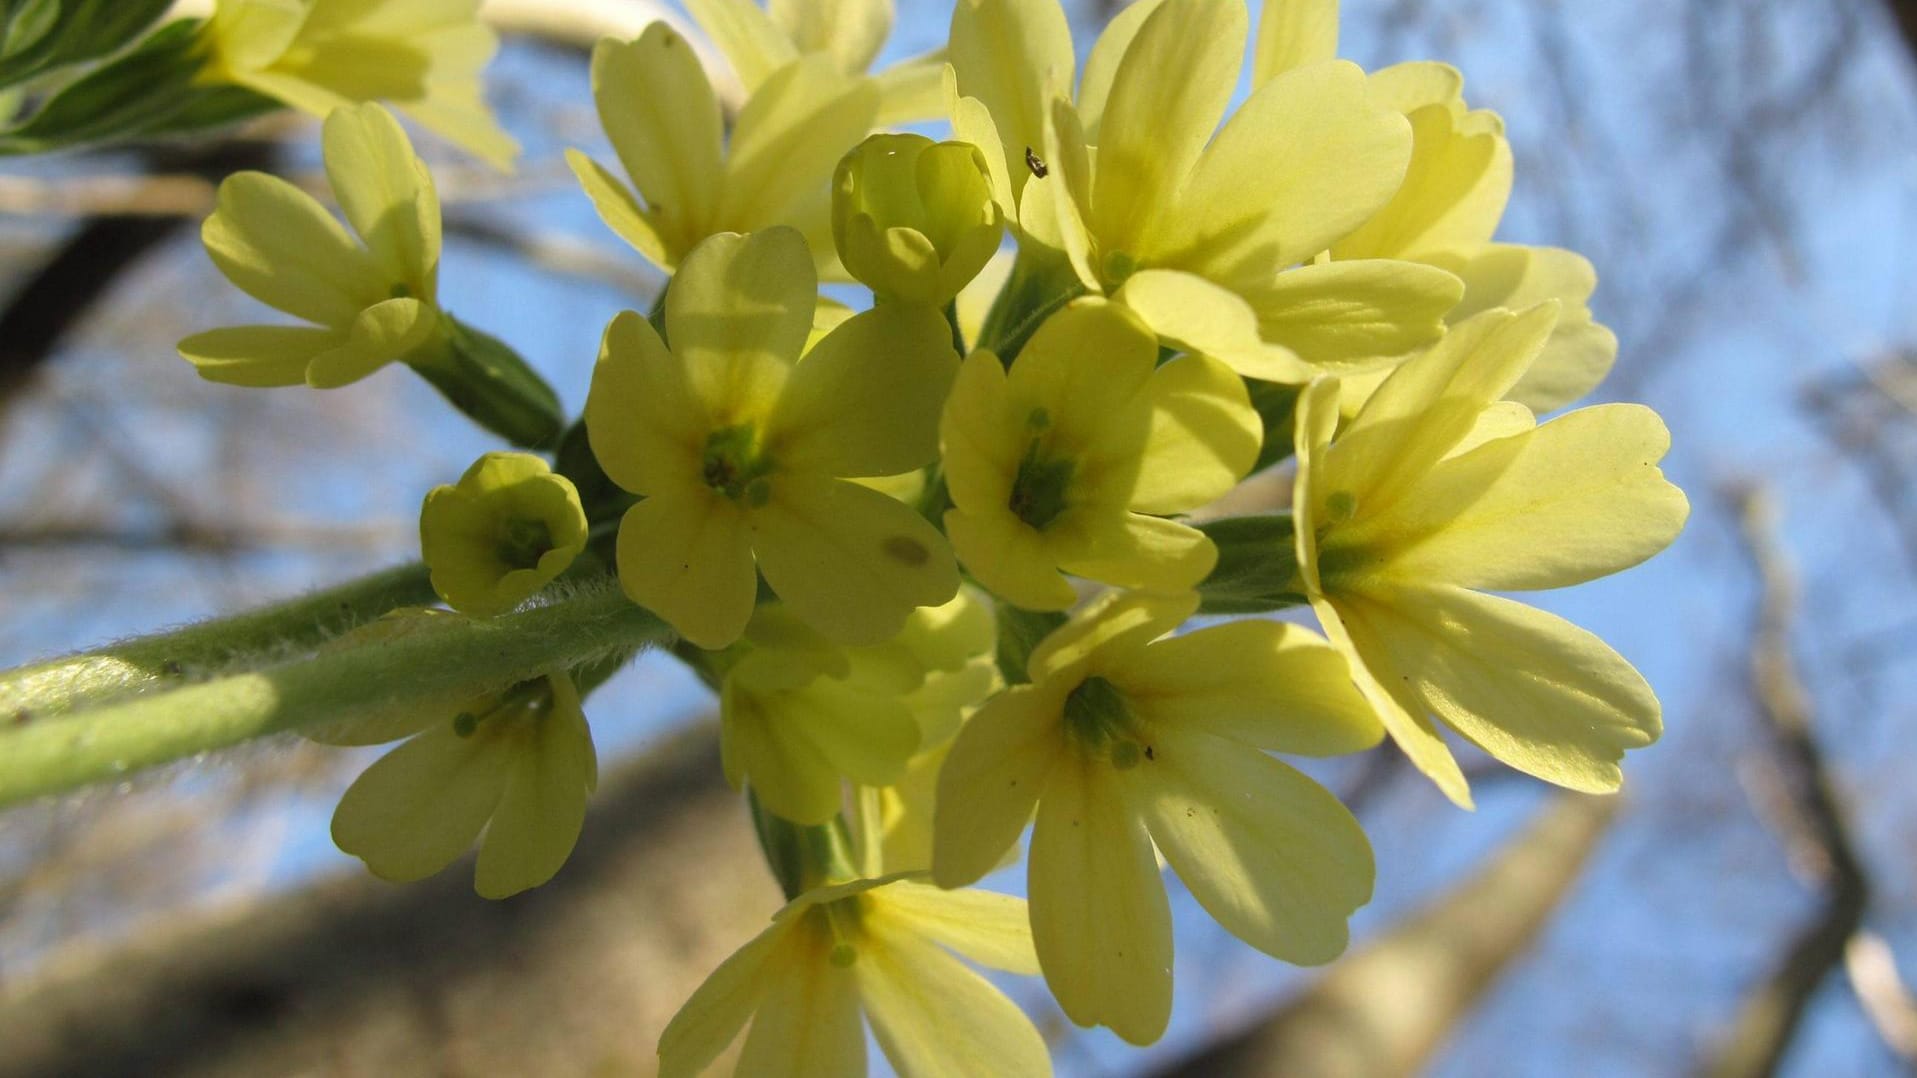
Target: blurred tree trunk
column 1386, row 1007
column 354, row 976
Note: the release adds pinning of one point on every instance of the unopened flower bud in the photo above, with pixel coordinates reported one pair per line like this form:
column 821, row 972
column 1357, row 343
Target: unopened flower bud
column 914, row 219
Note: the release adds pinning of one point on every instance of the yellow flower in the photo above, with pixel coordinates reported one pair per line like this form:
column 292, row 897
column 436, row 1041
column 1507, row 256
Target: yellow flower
column 517, row 766
column 1439, row 488
column 744, row 451
column 663, row 120
column 914, row 220
column 506, row 530
column 373, row 301
column 1123, row 744
column 846, row 33
column 1060, row 463
column 877, row 947
column 1209, row 239
column 1445, row 214
column 800, row 715
column 423, row 56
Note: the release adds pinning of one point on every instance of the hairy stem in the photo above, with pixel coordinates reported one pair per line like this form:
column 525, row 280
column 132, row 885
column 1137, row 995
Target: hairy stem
column 58, row 686
column 441, row 662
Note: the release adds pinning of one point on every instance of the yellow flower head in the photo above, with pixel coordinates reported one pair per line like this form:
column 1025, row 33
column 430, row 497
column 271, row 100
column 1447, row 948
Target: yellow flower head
column 1062, row 462
column 693, row 179
column 744, row 451
column 1123, row 744
column 914, row 220
column 877, row 947
column 372, row 301
column 1445, row 214
column 801, row 715
column 847, row 34
column 422, row 56
column 1437, row 489
column 516, row 766
column 1208, row 233
column 506, row 530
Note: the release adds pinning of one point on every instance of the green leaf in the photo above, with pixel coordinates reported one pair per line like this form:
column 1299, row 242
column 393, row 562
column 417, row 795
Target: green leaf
column 37, row 36
column 1257, row 567
column 144, row 93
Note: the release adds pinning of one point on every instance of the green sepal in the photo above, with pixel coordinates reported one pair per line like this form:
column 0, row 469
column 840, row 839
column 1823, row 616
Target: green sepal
column 801, row 856
column 483, row 377
column 1257, row 569
column 1275, row 404
column 39, row 36
column 145, row 93
column 1019, row 631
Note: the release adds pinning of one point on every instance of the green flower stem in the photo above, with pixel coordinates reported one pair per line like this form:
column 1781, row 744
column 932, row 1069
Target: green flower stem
column 451, row 656
column 57, row 686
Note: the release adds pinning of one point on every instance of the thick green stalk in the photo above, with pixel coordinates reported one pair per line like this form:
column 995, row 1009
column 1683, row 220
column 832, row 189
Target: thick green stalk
column 57, row 686
column 450, row 657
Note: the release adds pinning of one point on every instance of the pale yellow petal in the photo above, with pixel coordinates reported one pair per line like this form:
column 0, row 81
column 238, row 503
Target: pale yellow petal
column 913, row 90
column 663, row 120
column 850, row 561
column 1204, row 436
column 1166, row 100
column 1582, row 499
column 1010, row 558
column 1133, row 550
column 720, row 1008
column 646, row 426
column 258, row 355
column 1008, row 55
column 750, row 40
column 1580, row 352
column 1352, row 628
column 1453, row 195
column 1100, row 920
column 987, row 927
column 387, row 194
column 991, row 780
column 1429, row 405
column 544, row 805
column 807, row 1024
column 420, row 806
column 789, row 138
column 1269, row 853
column 1198, row 315
column 276, row 244
column 621, row 212
column 1101, row 67
column 1267, row 684
column 1113, row 628
column 384, row 332
column 1530, row 688
column 1355, row 315
column 685, row 554
column 936, row 1019
column 1293, row 33
column 866, row 400
column 1307, row 158
column 850, row 31
column 738, row 313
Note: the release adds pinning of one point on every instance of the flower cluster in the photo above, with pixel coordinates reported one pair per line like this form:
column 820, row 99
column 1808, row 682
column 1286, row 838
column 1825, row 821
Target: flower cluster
column 937, row 557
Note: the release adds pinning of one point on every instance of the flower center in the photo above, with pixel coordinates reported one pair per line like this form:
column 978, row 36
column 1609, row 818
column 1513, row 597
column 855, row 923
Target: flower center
column 1043, row 480
column 734, row 465
column 522, row 542
column 1100, row 719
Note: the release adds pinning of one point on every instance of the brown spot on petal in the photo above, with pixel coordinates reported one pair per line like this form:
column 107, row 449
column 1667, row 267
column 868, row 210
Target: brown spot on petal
column 905, row 550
